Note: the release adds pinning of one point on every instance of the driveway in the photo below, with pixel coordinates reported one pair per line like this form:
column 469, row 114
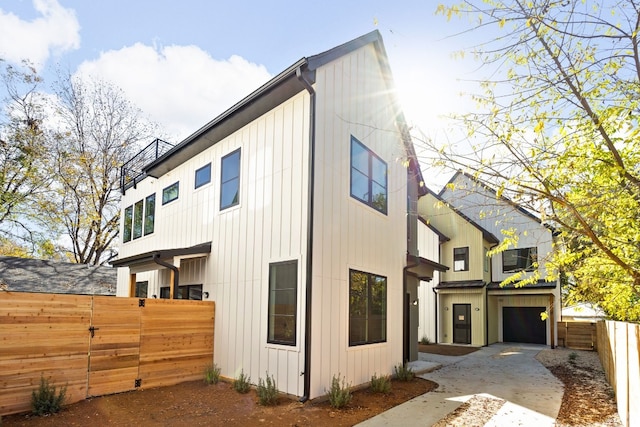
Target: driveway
column 510, row 372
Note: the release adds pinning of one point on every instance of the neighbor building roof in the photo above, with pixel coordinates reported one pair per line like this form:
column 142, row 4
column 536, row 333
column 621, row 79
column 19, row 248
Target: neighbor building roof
column 36, row 275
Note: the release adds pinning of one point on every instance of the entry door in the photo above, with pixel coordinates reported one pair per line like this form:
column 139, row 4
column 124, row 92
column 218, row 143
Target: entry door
column 462, row 323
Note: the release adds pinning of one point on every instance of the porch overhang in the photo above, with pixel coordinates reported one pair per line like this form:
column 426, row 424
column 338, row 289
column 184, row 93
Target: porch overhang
column 422, row 268
column 148, row 258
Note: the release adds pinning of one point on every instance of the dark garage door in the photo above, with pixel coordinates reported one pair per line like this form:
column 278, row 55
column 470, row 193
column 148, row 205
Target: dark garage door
column 523, row 324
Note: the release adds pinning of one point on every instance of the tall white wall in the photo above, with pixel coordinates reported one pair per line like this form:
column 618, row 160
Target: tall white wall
column 268, row 225
column 352, row 99
column 428, row 247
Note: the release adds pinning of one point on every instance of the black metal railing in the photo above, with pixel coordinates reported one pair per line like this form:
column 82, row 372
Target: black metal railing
column 132, row 171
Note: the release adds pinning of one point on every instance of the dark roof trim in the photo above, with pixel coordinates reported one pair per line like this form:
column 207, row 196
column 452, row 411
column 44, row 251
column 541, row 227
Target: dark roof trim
column 461, row 284
column 541, row 284
column 162, row 254
column 423, row 268
column 441, row 236
column 486, row 234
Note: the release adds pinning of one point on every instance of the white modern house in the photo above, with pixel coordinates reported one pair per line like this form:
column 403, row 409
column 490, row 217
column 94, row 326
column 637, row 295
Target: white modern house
column 469, row 303
column 295, row 211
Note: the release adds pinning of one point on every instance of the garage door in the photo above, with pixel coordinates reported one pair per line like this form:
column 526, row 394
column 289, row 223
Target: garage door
column 523, row 325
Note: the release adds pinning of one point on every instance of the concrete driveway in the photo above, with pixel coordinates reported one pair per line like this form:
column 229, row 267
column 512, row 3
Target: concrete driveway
column 509, row 372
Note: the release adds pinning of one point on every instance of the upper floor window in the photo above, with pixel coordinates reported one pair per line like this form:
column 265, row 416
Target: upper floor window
column 170, row 193
column 368, row 177
column 139, row 219
column 230, row 180
column 461, row 259
column 519, row 259
column 283, row 307
column 203, row 175
column 367, row 308
column 486, row 260
column 141, row 289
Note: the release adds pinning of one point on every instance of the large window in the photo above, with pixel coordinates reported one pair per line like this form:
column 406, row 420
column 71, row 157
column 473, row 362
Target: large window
column 203, row 175
column 139, row 218
column 461, row 259
column 519, row 259
column 230, row 180
column 283, row 291
column 368, row 177
column 367, row 308
column 170, row 193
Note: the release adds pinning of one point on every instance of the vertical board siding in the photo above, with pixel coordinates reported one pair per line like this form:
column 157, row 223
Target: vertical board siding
column 429, row 248
column 445, row 313
column 352, row 100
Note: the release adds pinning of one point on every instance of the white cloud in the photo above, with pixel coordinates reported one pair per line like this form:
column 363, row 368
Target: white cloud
column 180, row 87
column 56, row 30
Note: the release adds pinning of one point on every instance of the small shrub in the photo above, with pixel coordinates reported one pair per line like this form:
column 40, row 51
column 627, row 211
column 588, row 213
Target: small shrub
column 403, row 372
column 425, row 340
column 212, row 374
column 45, row 400
column 339, row 394
column 381, row 384
column 267, row 391
column 242, row 383
column 573, row 356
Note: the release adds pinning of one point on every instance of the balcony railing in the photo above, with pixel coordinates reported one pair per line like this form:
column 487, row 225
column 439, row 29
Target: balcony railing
column 132, row 171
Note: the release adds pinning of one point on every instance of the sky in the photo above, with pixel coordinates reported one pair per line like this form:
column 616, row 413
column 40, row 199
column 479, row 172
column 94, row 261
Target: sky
column 183, row 63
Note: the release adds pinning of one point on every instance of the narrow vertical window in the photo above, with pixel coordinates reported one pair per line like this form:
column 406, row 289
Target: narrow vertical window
column 486, row 260
column 149, row 213
column 367, row 308
column 368, row 177
column 461, row 259
column 283, row 291
column 137, row 219
column 127, row 219
column 203, row 176
column 230, row 180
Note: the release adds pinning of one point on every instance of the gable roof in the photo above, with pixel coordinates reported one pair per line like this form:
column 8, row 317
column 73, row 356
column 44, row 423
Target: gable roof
column 36, row 275
column 441, row 236
column 492, row 191
column 486, row 234
column 283, row 86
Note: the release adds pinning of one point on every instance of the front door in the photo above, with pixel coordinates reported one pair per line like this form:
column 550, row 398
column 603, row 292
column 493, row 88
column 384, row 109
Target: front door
column 462, row 323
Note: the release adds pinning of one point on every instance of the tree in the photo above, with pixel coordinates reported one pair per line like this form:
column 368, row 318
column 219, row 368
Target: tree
column 24, row 160
column 98, row 129
column 557, row 132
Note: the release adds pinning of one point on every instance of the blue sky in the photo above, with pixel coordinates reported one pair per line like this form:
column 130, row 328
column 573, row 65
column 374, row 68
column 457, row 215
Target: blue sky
column 185, row 62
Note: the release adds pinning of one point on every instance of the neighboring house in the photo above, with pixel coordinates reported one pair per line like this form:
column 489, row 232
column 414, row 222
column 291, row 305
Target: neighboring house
column 289, row 211
column 473, row 308
column 583, row 312
column 36, row 275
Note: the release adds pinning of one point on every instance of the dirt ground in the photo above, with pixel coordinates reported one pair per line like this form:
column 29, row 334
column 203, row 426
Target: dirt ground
column 587, row 401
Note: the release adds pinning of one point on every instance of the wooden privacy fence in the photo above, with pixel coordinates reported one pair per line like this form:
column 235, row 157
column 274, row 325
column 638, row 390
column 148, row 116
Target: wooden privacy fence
column 619, row 348
column 577, row 335
column 96, row 345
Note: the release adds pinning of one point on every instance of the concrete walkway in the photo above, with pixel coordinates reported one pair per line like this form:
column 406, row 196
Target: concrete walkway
column 510, row 372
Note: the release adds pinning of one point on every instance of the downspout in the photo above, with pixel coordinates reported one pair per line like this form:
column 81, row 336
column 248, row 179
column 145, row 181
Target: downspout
column 176, row 272
column 405, row 313
column 436, row 304
column 310, row 203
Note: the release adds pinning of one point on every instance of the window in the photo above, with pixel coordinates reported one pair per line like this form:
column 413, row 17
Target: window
column 519, row 259
column 230, row 180
column 203, row 175
column 141, row 289
column 170, row 193
column 486, row 260
column 367, row 308
column 127, row 218
column 283, row 291
column 190, row 292
column 149, row 213
column 368, row 177
column 461, row 259
column 139, row 218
